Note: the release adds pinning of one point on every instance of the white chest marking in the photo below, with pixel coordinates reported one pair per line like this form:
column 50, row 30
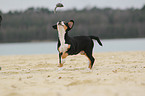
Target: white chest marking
column 61, row 33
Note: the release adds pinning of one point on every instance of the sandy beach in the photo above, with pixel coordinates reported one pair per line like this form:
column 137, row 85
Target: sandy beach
column 113, row 74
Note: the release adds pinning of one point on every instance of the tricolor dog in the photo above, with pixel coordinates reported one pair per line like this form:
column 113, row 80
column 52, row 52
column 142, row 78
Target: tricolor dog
column 73, row 45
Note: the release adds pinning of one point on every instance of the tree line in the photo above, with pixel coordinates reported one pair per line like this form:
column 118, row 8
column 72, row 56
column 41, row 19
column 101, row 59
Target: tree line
column 35, row 24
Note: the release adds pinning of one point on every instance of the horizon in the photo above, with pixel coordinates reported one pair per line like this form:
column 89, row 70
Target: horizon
column 19, row 5
column 68, row 9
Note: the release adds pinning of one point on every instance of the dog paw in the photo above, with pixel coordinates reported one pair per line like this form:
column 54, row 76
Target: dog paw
column 89, row 70
column 60, row 69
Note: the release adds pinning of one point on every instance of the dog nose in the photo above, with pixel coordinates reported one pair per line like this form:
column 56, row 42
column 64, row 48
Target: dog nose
column 59, row 23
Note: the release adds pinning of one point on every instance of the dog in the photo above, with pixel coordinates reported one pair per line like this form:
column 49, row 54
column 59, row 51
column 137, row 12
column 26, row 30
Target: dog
column 73, row 45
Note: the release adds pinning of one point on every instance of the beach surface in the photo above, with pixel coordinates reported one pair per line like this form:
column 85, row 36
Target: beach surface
column 113, row 74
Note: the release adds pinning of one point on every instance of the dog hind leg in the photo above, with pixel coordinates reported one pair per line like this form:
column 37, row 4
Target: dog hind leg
column 91, row 58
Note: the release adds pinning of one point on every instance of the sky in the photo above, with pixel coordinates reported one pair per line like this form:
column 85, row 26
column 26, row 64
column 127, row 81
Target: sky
column 20, row 5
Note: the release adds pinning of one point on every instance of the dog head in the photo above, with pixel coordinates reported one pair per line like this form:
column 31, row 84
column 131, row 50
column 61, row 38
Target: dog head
column 61, row 25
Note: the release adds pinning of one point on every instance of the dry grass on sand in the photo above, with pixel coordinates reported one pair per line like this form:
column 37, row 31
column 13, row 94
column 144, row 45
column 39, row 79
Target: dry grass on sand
column 114, row 74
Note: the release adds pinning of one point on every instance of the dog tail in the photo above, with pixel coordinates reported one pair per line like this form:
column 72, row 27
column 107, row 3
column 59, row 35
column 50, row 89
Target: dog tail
column 96, row 38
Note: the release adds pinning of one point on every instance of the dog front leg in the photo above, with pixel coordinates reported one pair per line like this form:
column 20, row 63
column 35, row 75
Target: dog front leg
column 62, row 57
column 60, row 61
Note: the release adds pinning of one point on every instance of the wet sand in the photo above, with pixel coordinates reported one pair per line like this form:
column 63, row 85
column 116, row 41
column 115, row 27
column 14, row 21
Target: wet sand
column 113, row 74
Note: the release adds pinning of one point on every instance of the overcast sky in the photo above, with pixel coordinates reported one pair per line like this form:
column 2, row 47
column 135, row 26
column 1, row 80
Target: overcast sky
column 7, row 5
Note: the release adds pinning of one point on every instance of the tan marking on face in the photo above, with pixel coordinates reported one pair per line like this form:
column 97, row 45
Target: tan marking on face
column 65, row 27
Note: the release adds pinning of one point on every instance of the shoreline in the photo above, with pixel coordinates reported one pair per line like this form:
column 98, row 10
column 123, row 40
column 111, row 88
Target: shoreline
column 114, row 74
column 94, row 53
column 43, row 41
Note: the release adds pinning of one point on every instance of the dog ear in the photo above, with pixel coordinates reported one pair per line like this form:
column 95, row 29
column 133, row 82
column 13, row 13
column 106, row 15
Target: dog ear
column 54, row 26
column 71, row 24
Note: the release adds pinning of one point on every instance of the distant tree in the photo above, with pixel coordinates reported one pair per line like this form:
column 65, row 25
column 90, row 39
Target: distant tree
column 10, row 13
column 43, row 10
column 0, row 12
column 36, row 23
column 143, row 8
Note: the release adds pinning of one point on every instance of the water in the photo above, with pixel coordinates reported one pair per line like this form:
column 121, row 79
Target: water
column 112, row 45
column 121, row 45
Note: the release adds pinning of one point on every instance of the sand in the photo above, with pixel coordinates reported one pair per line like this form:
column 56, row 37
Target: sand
column 114, row 74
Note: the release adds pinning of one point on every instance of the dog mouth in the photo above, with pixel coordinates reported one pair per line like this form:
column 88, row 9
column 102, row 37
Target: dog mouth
column 60, row 23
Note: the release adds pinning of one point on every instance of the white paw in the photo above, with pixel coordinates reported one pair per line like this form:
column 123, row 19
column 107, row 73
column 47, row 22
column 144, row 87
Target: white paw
column 89, row 70
column 60, row 69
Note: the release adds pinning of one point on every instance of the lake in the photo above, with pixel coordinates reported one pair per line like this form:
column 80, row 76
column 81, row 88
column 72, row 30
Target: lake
column 111, row 45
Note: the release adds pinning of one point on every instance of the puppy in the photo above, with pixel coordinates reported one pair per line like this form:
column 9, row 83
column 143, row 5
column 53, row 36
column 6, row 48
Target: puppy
column 73, row 45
